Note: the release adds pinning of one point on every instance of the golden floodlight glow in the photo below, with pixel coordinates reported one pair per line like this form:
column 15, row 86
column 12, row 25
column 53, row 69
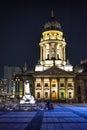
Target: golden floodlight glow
column 52, row 34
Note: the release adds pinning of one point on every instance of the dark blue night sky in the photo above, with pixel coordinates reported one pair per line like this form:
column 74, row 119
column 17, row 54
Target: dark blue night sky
column 21, row 25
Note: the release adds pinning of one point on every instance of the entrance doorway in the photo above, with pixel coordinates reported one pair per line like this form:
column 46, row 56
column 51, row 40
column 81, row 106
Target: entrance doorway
column 53, row 95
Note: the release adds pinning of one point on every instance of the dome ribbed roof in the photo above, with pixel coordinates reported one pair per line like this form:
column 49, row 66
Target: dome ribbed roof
column 52, row 24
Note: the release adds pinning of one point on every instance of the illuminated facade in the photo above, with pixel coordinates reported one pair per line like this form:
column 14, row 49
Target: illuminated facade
column 54, row 84
column 54, row 78
column 53, row 47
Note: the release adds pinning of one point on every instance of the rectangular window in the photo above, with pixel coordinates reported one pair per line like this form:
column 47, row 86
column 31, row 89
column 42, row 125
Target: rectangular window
column 70, row 95
column 46, row 84
column 69, row 84
column 61, row 84
column 38, row 84
column 53, row 85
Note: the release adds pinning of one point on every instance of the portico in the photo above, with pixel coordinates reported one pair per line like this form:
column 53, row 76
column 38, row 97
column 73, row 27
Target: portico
column 54, row 84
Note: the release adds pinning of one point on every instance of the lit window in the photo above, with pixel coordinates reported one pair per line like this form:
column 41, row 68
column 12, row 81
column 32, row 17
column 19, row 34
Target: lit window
column 18, row 79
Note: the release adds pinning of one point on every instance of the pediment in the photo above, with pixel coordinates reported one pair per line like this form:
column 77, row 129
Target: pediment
column 53, row 71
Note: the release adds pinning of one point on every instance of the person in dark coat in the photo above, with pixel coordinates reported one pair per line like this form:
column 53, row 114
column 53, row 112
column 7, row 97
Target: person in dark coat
column 48, row 104
column 51, row 106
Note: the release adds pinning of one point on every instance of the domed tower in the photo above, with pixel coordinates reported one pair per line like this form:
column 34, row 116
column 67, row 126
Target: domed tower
column 52, row 46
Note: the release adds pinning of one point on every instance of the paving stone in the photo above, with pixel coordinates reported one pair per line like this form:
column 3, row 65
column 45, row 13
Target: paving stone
column 63, row 117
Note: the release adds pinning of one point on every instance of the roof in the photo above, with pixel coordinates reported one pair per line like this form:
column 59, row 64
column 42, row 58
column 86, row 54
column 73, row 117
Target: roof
column 54, row 72
column 52, row 24
column 81, row 68
column 28, row 72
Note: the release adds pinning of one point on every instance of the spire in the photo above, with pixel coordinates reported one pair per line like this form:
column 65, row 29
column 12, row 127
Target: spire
column 25, row 67
column 52, row 13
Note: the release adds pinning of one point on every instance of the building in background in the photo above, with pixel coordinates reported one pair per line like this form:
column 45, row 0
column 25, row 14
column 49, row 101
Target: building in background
column 81, row 81
column 3, row 90
column 9, row 74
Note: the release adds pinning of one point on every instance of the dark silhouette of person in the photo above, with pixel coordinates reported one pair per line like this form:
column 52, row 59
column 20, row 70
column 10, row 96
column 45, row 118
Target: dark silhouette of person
column 48, row 104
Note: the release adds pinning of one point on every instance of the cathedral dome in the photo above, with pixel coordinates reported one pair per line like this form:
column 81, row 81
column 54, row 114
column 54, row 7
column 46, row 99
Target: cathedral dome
column 52, row 24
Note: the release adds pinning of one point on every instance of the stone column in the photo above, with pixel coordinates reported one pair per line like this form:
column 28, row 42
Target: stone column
column 64, row 54
column 50, row 89
column 42, row 88
column 66, row 89
column 49, row 51
column 74, row 89
column 55, row 50
column 57, row 88
column 40, row 53
column 44, row 52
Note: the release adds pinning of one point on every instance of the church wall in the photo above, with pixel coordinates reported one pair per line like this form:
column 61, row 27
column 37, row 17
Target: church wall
column 81, row 88
column 54, row 88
